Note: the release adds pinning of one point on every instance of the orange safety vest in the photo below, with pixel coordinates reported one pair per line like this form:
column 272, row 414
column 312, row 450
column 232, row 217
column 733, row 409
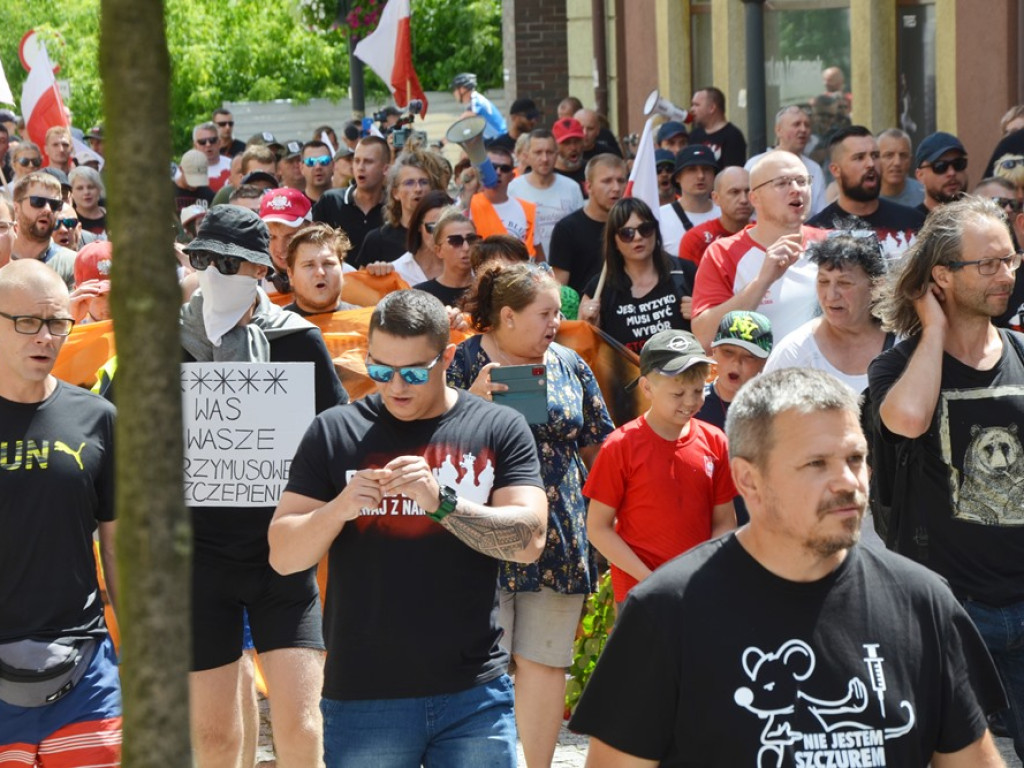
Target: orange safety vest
column 488, row 223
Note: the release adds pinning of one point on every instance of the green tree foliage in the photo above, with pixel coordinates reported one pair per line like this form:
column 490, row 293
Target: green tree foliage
column 819, row 33
column 452, row 36
column 250, row 50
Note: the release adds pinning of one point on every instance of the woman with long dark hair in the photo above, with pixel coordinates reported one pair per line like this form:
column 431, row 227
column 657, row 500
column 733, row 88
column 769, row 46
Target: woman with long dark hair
column 644, row 290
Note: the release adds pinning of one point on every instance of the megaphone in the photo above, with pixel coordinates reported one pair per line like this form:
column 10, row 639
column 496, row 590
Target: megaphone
column 658, row 106
column 468, row 133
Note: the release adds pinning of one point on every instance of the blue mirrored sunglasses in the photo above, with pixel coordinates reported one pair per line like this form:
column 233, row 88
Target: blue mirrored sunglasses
column 413, row 374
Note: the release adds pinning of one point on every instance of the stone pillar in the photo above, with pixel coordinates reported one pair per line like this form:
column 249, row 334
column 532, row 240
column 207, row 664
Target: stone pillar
column 874, row 87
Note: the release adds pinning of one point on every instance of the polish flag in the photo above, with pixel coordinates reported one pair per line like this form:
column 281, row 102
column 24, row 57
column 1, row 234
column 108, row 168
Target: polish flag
column 388, row 52
column 643, row 179
column 41, row 103
column 6, row 97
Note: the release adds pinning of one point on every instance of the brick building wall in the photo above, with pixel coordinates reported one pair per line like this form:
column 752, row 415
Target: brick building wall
column 536, row 59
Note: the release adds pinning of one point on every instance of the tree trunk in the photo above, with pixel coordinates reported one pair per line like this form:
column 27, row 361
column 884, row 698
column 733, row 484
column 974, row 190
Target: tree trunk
column 153, row 538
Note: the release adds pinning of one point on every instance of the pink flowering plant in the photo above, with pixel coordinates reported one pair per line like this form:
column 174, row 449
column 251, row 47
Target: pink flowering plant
column 362, row 17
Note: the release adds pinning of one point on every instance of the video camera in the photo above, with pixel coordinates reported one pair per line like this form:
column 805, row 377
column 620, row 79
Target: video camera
column 399, row 127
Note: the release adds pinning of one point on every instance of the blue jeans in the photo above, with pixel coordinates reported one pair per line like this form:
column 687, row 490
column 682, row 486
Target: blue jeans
column 476, row 727
column 1002, row 629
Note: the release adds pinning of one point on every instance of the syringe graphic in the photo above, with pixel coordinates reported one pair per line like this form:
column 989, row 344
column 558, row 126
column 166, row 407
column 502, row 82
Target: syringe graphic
column 874, row 662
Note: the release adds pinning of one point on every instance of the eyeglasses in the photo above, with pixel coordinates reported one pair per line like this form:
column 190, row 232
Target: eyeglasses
column 207, row 142
column 958, row 163
column 38, row 201
column 66, row 223
column 413, row 374
column 321, row 160
column 25, row 162
column 457, row 241
column 31, row 325
column 226, row 124
column 988, row 267
column 1008, row 203
column 1009, row 164
column 645, row 230
column 784, row 182
column 226, row 265
column 413, row 183
column 503, row 167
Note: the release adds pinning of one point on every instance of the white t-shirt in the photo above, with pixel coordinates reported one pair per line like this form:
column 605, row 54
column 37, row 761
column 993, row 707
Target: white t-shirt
column 672, row 229
column 800, row 350
column 409, row 269
column 553, row 203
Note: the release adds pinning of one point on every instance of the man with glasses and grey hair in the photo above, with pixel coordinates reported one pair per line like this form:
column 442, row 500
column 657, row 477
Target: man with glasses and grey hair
column 787, row 642
column 37, row 203
column 763, row 268
column 206, row 139
column 949, row 399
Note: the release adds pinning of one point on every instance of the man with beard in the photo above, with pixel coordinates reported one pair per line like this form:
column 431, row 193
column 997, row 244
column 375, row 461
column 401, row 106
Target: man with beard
column 856, row 166
column 763, row 267
column 554, row 195
column 792, row 133
column 569, row 136
column 949, row 399
column 695, row 171
column 731, row 194
column 37, row 202
column 576, row 241
column 315, row 257
column 941, row 162
column 785, row 643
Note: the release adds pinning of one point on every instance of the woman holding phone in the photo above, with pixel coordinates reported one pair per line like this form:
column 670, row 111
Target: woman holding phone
column 515, row 307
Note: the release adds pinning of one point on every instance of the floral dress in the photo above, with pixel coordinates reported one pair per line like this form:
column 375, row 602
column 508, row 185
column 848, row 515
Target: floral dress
column 577, row 417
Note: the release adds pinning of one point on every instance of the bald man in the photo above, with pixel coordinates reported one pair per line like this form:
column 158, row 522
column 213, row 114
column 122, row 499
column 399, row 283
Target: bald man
column 763, row 267
column 56, row 490
column 597, row 140
column 731, row 194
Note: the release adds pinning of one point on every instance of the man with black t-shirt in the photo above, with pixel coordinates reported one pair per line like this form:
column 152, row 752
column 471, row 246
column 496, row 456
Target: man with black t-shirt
column 359, row 208
column 231, row 319
column 950, row 399
column 417, row 492
column 707, row 109
column 785, row 643
column 56, row 490
column 576, row 241
column 855, row 163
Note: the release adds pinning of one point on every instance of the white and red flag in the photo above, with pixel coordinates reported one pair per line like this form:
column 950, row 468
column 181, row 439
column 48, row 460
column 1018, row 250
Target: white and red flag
column 41, row 103
column 6, row 97
column 643, row 179
column 388, row 52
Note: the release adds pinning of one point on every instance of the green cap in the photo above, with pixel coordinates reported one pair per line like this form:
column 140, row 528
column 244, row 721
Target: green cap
column 750, row 330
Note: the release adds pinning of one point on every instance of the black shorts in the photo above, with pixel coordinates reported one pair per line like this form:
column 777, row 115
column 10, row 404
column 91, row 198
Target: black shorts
column 284, row 611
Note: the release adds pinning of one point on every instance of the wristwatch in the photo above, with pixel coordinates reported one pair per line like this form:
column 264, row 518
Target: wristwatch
column 449, row 498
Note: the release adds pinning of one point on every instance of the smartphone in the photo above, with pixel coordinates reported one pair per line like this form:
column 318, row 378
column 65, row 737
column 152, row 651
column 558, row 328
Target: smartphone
column 527, row 390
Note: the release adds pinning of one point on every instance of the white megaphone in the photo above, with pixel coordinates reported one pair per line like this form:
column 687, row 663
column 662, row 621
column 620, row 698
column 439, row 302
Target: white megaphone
column 468, row 133
column 655, row 105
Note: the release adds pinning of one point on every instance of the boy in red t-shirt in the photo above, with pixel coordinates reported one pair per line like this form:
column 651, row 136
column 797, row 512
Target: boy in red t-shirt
column 661, row 483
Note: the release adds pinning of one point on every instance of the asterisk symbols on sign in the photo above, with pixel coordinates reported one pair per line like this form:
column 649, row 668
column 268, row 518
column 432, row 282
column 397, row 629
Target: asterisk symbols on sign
column 201, row 379
column 248, row 381
column 275, row 381
column 223, row 384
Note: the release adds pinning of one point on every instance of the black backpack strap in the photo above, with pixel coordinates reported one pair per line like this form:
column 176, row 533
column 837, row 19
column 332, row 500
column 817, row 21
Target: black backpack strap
column 687, row 224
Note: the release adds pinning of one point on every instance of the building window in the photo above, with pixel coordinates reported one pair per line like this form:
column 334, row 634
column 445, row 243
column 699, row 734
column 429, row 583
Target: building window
column 701, row 48
column 915, row 27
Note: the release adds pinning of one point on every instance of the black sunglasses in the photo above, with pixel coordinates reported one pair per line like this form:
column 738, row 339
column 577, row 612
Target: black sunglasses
column 457, row 241
column 1008, row 203
column 207, row 142
column 645, row 230
column 226, row 265
column 66, row 223
column 503, row 167
column 941, row 166
column 38, row 201
column 25, row 162
column 227, row 123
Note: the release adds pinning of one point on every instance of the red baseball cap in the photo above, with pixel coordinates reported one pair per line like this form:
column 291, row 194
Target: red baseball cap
column 285, row 205
column 567, row 128
column 93, row 263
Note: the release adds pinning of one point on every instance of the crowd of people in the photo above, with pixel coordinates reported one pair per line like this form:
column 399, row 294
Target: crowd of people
column 462, row 532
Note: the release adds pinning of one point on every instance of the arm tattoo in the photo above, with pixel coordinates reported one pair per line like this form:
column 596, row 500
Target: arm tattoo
column 502, row 533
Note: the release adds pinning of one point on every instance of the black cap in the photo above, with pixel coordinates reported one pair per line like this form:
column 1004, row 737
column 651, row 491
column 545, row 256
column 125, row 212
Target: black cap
column 670, row 129
column 525, row 107
column 696, row 154
column 254, row 176
column 935, row 146
column 670, row 352
column 58, row 174
column 230, row 230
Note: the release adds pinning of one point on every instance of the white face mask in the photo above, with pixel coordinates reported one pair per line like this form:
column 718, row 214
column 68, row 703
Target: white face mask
column 225, row 299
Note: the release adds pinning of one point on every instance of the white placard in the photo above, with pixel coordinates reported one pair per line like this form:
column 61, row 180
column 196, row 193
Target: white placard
column 243, row 423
